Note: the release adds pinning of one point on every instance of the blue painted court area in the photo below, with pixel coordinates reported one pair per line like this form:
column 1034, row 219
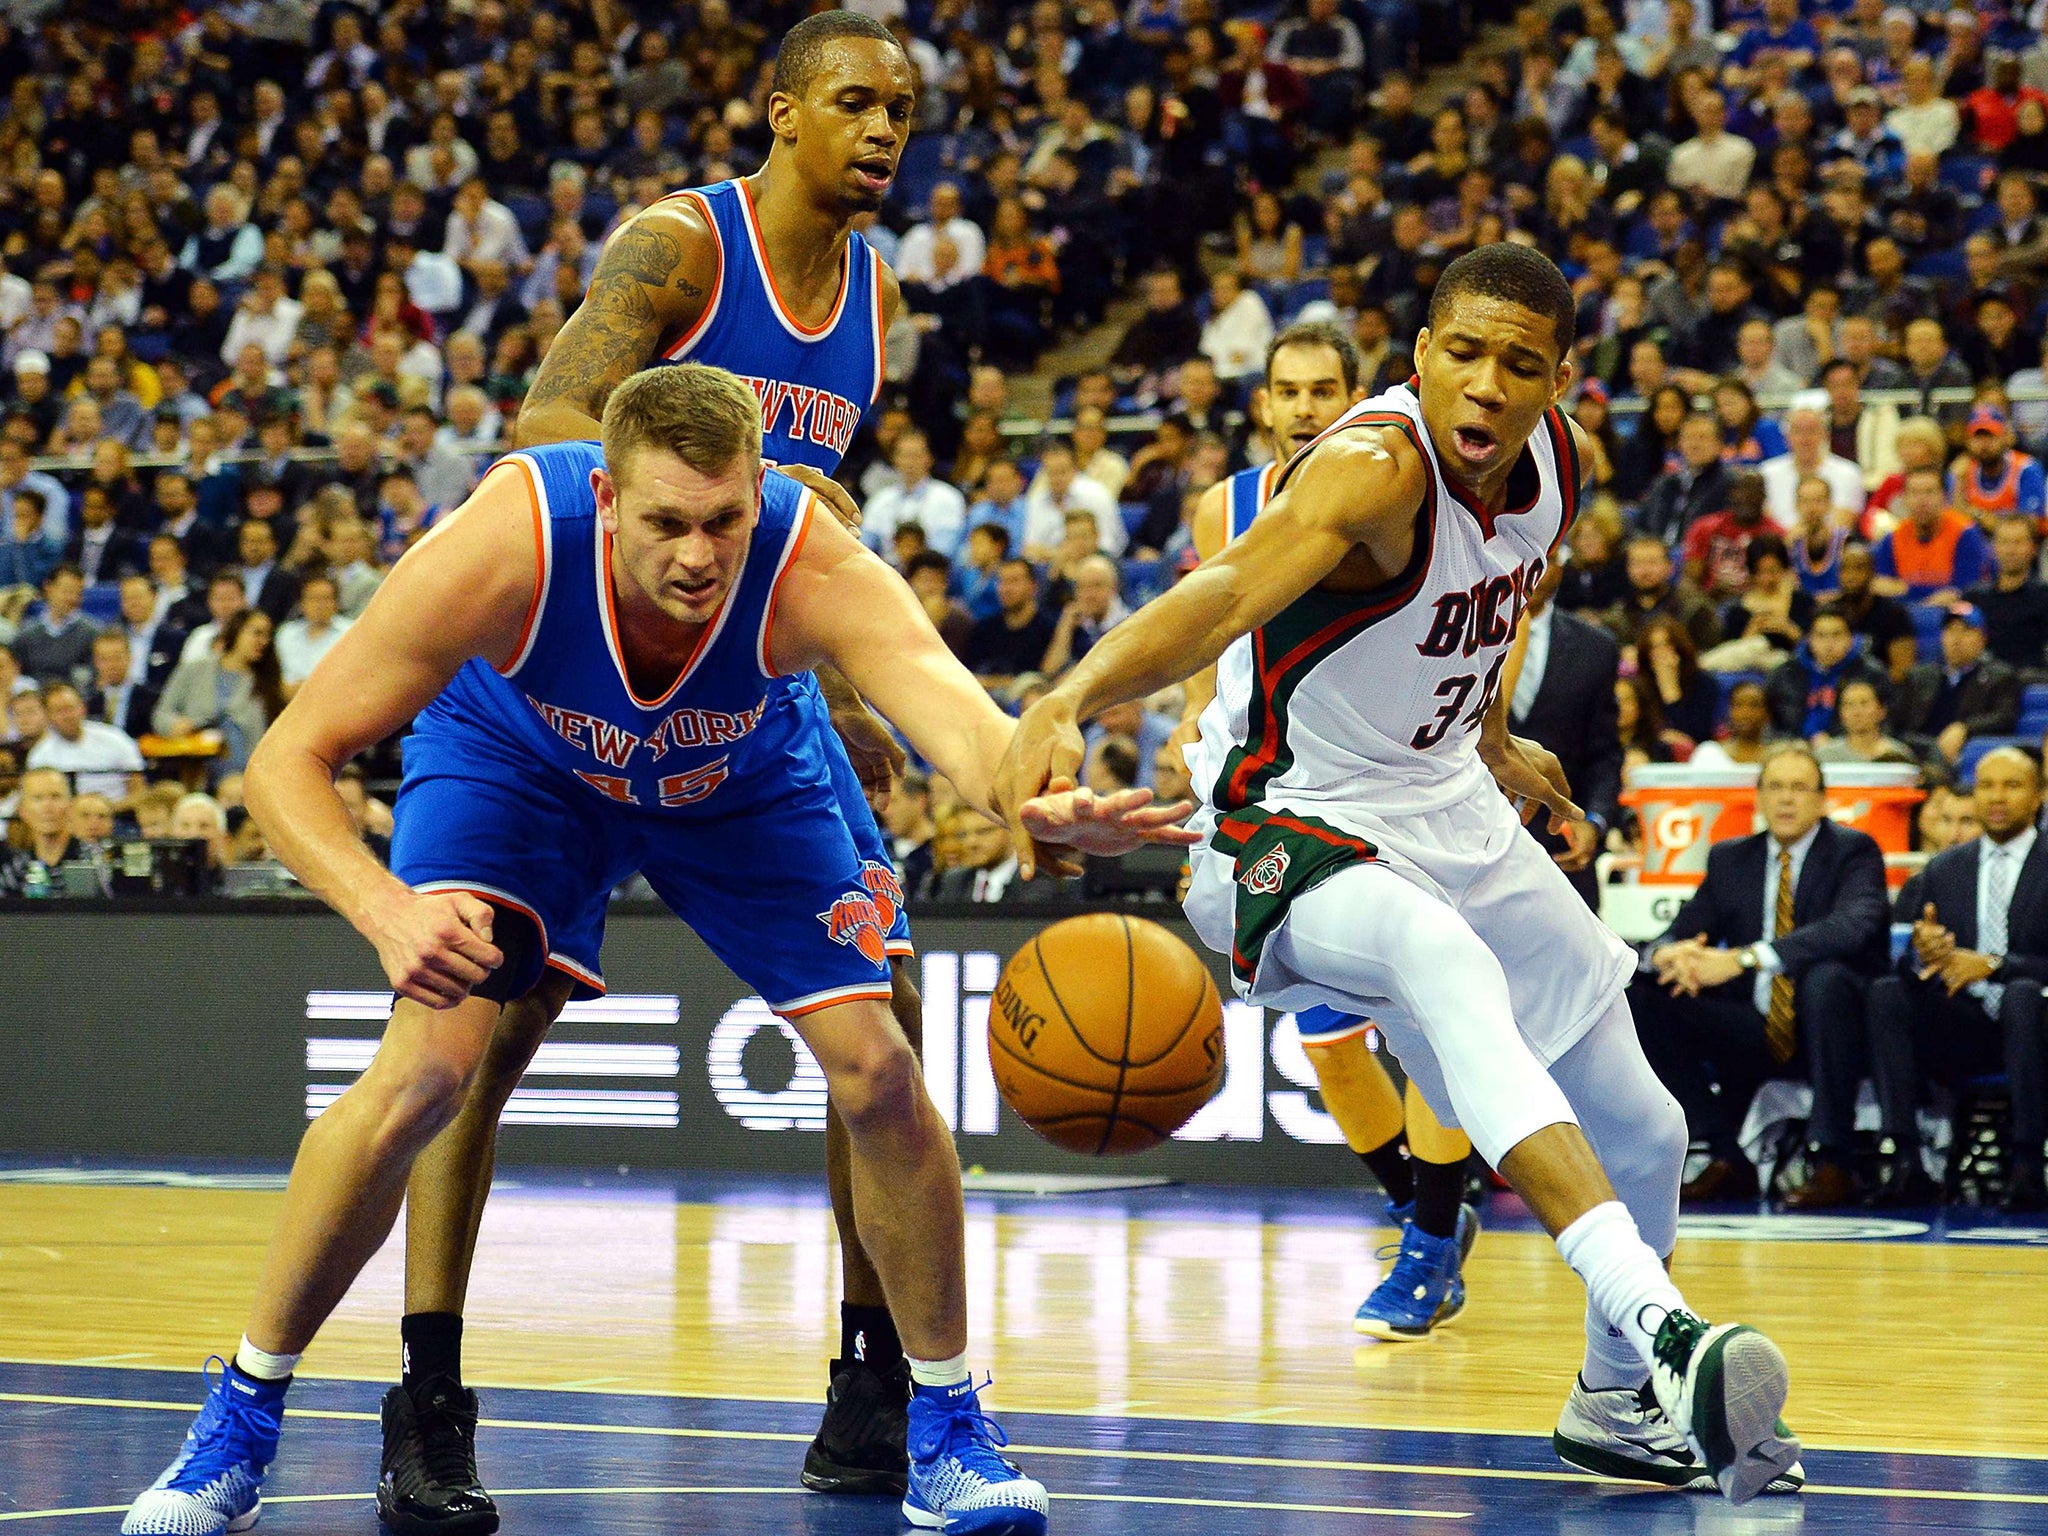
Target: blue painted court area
column 75, row 1443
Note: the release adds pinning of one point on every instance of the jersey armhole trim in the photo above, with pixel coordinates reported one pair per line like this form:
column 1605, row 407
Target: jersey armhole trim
column 543, row 564
column 881, row 337
column 1566, row 447
column 792, row 549
column 696, row 332
column 790, row 323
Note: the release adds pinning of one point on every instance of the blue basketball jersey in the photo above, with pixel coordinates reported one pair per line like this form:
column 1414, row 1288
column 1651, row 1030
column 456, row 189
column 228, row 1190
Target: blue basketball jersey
column 815, row 385
column 709, row 743
column 1245, row 496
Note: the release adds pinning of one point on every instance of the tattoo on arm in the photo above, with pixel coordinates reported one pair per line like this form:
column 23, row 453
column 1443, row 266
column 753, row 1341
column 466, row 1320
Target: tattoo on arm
column 617, row 329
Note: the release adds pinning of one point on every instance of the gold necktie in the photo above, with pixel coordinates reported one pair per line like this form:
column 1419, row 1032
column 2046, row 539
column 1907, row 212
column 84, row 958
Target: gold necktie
column 1778, row 1030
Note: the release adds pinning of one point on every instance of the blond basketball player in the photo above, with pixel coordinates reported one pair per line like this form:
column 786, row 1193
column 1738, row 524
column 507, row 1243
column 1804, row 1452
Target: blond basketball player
column 1359, row 855
column 1312, row 378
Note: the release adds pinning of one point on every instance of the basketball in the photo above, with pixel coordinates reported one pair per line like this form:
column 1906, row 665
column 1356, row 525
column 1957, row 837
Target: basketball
column 1106, row 1034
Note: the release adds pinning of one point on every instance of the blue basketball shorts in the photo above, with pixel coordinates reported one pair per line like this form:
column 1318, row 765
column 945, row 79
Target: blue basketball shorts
column 776, row 887
column 868, row 838
column 1324, row 1025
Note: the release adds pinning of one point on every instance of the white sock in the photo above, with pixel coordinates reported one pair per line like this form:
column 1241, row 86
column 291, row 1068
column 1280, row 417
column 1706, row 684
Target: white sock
column 259, row 1365
column 1624, row 1280
column 1611, row 1361
column 939, row 1373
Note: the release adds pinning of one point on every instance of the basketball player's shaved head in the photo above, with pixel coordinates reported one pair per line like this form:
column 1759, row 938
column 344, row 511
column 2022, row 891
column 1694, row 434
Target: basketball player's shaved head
column 804, row 46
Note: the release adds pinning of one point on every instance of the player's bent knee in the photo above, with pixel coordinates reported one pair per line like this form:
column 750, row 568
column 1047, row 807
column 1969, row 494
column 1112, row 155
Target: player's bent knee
column 875, row 1085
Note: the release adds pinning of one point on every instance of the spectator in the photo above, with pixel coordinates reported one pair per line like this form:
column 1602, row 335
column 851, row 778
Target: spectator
column 1324, row 49
column 1022, row 269
column 1807, row 453
column 2014, row 602
column 1239, row 328
column 116, row 696
column 908, row 818
column 266, row 583
column 1935, row 552
column 1014, row 640
column 350, row 552
column 1594, row 580
column 1060, row 488
column 983, row 866
column 1717, row 546
column 303, row 641
column 1857, row 733
column 91, row 821
column 1776, row 948
column 266, row 319
column 1165, row 335
column 1094, row 609
column 482, row 230
column 16, row 477
column 1687, row 698
column 99, row 549
column 1980, row 932
column 1749, row 717
column 56, row 645
column 1748, row 437
column 1093, row 455
column 97, row 759
column 939, row 258
column 916, row 500
column 1966, row 694
column 1772, row 606
column 229, row 248
column 1805, row 691
column 235, row 690
column 1820, row 539
column 225, row 597
column 122, row 417
column 444, row 477
column 1865, row 434
column 41, row 829
column 930, row 574
column 1921, row 444
column 1003, row 500
column 1653, row 593
column 1992, row 478
column 988, row 546
column 1714, row 163
column 1682, row 497
column 1931, row 366
column 28, row 554
column 1653, row 445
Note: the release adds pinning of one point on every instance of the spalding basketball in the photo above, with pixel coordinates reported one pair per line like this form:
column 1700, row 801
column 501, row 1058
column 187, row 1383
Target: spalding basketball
column 1106, row 1034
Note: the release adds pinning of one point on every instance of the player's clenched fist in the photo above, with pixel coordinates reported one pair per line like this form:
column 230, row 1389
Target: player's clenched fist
column 436, row 947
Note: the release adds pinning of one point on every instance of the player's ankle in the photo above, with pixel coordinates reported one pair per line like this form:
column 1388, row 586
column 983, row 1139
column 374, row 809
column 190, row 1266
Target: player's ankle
column 432, row 1347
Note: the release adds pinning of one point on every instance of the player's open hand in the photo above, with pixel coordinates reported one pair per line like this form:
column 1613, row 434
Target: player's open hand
column 1531, row 776
column 838, row 500
column 1105, row 825
column 1044, row 758
column 436, row 947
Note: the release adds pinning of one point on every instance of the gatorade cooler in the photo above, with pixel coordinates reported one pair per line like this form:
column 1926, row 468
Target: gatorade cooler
column 1684, row 811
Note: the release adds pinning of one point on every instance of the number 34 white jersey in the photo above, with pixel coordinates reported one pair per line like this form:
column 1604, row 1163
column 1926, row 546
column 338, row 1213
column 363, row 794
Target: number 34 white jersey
column 1374, row 699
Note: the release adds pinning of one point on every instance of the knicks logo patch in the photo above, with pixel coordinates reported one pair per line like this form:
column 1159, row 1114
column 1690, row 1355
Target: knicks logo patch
column 882, row 884
column 1264, row 878
column 856, row 919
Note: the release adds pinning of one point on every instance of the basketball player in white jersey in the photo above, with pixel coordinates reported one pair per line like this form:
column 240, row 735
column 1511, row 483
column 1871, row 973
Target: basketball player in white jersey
column 1359, row 855
column 1311, row 379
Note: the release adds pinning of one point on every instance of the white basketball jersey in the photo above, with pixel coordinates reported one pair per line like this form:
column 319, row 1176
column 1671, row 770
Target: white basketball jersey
column 1374, row 699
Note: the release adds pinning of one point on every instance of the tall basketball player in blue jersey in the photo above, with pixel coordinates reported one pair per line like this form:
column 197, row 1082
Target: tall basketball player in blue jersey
column 1312, row 378
column 765, row 277
column 588, row 650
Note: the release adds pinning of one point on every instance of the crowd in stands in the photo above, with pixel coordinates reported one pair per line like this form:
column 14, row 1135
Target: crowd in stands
column 274, row 279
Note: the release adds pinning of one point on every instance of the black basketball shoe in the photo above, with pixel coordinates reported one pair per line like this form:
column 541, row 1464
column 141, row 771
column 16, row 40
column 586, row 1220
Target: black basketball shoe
column 860, row 1446
column 428, row 1485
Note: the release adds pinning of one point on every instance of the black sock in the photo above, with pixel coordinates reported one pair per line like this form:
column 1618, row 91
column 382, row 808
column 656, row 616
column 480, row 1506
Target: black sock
column 433, row 1346
column 1389, row 1164
column 868, row 1334
column 1438, row 1189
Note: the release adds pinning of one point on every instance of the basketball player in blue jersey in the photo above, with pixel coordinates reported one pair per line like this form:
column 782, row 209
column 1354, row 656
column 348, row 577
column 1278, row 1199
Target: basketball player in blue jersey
column 1362, row 847
column 764, row 277
column 1311, row 380
column 587, row 650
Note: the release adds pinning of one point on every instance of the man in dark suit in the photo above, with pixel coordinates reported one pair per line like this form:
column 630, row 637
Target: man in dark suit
column 1697, row 488
column 265, row 583
column 984, row 866
column 1564, row 698
column 1967, row 1000
column 97, row 546
column 112, row 698
column 1967, row 694
column 1779, row 942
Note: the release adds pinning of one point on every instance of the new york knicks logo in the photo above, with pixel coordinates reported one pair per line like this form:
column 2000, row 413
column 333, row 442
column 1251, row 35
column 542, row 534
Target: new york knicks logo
column 856, row 919
column 1264, row 878
column 887, row 890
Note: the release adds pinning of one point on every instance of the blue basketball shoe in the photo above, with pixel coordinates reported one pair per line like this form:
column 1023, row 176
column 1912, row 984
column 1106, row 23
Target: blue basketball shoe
column 1423, row 1290
column 216, row 1484
column 959, row 1482
column 1399, row 1216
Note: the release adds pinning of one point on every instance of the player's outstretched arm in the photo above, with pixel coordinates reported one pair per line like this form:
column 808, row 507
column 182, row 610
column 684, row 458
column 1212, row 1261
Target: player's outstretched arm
column 466, row 590
column 839, row 605
column 1359, row 488
column 658, row 271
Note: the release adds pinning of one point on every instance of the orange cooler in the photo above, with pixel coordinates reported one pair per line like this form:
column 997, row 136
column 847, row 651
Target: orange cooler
column 1684, row 811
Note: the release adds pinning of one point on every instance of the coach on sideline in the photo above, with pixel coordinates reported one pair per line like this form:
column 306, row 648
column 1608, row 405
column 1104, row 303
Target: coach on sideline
column 1780, row 941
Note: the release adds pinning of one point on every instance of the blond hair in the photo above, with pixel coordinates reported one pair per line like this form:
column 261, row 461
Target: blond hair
column 704, row 416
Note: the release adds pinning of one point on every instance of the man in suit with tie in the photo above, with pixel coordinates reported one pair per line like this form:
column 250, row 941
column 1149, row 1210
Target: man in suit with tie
column 1564, row 698
column 112, row 697
column 1779, row 941
column 1967, row 1000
